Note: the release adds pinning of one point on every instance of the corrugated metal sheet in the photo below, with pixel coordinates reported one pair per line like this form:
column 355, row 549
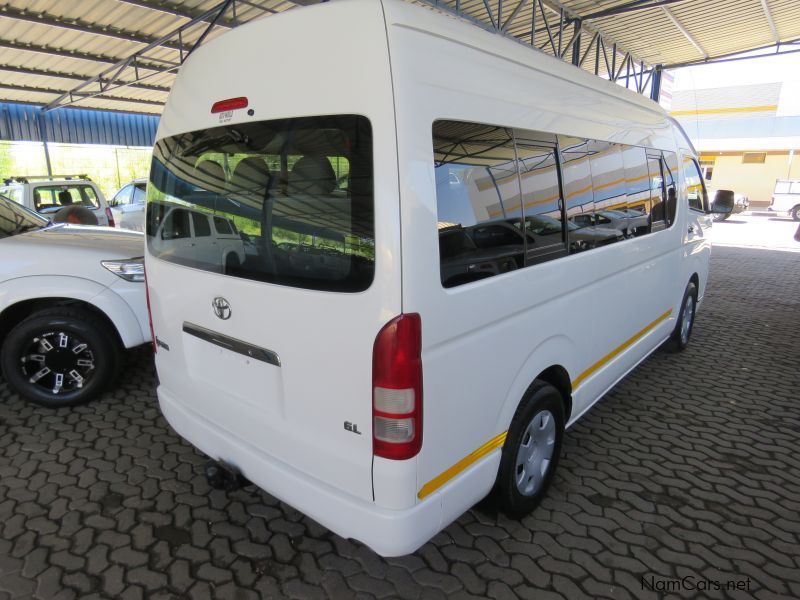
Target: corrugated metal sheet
column 20, row 122
column 47, row 47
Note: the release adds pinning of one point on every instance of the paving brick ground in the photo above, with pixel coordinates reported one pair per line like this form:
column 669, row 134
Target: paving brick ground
column 690, row 467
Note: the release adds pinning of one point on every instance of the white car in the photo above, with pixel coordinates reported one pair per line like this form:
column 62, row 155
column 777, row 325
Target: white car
column 193, row 236
column 786, row 198
column 72, row 297
column 127, row 205
column 47, row 195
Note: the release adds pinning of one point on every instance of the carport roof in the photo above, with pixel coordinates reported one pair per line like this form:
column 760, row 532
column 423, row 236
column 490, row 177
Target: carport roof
column 48, row 47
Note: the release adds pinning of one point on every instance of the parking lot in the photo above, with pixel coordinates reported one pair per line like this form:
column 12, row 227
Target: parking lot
column 686, row 473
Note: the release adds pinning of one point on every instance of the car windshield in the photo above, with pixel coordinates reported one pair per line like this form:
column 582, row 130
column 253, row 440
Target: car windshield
column 15, row 219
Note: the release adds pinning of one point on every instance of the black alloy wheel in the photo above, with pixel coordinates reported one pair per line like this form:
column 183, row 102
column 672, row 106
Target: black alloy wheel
column 60, row 357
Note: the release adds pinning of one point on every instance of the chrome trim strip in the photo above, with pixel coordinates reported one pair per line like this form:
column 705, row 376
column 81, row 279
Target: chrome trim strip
column 232, row 344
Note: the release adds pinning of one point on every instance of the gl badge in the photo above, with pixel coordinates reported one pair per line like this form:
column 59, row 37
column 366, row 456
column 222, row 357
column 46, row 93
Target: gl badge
column 222, row 308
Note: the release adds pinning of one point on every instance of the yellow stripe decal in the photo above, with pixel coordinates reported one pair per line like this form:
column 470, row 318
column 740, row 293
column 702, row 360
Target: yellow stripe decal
column 497, row 441
column 438, row 481
column 724, row 110
column 608, row 357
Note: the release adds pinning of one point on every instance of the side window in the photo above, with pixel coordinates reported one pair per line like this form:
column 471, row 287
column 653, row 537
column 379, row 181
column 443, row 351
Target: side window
column 669, row 167
column 577, row 184
column 14, row 193
column 176, row 225
column 478, row 202
column 201, row 225
column 542, row 203
column 695, row 190
column 223, row 226
column 609, row 191
column 637, row 189
column 123, row 196
column 795, row 187
column 139, row 194
column 658, row 197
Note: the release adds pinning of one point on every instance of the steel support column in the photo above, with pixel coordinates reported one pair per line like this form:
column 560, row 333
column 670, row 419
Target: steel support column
column 576, row 44
column 655, row 83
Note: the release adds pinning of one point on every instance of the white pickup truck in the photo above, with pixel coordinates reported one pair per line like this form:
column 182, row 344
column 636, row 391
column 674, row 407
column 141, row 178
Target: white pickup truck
column 71, row 299
column 786, row 198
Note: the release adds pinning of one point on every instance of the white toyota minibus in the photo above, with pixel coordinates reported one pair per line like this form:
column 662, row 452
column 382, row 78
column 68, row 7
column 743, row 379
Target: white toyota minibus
column 454, row 246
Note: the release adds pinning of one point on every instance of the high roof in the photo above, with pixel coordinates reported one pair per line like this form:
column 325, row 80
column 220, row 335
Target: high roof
column 49, row 47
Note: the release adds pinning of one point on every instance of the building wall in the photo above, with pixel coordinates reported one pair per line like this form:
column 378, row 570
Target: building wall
column 724, row 122
column 754, row 180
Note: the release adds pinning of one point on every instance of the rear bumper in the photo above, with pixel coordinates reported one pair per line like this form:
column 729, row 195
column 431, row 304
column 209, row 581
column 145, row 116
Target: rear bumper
column 387, row 532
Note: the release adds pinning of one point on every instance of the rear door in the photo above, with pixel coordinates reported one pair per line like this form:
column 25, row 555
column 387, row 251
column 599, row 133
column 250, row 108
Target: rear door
column 276, row 351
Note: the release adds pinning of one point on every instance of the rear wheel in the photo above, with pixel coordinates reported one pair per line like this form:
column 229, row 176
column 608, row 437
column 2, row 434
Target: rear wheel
column 683, row 328
column 531, row 451
column 719, row 217
column 796, row 213
column 60, row 357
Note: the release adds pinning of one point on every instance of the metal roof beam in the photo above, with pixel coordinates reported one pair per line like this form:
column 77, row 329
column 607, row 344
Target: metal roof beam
column 161, row 67
column 75, row 77
column 634, row 6
column 684, row 31
column 38, row 90
column 768, row 15
column 42, row 18
column 110, row 79
column 172, row 9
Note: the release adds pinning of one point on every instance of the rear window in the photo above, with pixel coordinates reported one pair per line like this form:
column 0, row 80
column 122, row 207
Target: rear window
column 290, row 200
column 51, row 198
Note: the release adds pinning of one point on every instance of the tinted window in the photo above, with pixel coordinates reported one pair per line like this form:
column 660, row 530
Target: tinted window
column 542, row 204
column 123, row 196
column 695, row 191
column 579, row 199
column 478, row 201
column 299, row 190
column 176, row 225
column 657, row 192
column 139, row 193
column 222, row 226
column 669, row 167
column 637, row 189
column 53, row 197
column 609, row 191
column 201, row 226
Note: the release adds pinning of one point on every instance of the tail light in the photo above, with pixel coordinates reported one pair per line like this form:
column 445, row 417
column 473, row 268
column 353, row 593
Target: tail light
column 110, row 216
column 150, row 312
column 397, row 388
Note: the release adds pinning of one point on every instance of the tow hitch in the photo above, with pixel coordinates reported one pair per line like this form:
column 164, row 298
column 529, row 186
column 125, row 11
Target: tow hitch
column 222, row 476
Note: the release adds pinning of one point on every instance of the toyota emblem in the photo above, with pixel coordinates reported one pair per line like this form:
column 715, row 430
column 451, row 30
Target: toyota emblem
column 222, row 308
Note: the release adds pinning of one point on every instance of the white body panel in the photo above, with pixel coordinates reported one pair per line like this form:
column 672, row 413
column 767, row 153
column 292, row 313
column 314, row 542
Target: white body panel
column 64, row 262
column 483, row 343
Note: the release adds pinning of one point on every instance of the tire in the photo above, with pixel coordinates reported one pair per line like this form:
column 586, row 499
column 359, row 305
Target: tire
column 796, row 213
column 96, row 365
column 518, row 491
column 719, row 217
column 683, row 328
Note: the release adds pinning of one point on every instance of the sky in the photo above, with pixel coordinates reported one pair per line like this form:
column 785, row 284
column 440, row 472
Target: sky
column 764, row 69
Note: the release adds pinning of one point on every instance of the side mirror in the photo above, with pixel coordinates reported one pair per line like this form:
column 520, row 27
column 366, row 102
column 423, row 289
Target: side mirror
column 723, row 202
